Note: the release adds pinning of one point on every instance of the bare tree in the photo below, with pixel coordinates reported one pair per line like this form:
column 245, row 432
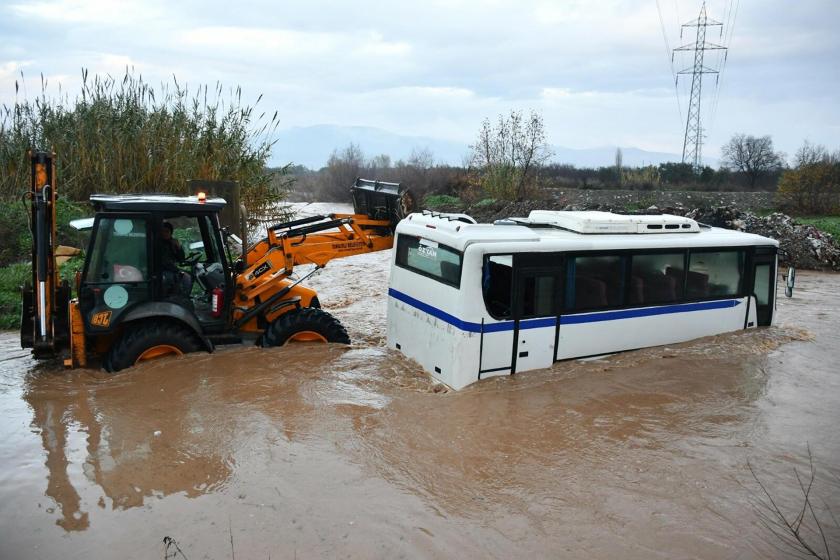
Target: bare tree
column 811, row 154
column 342, row 169
column 421, row 158
column 380, row 162
column 751, row 155
column 508, row 154
column 416, row 172
column 803, row 533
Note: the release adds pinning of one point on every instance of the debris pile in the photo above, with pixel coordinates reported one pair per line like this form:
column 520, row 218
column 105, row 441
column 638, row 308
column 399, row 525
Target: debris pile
column 801, row 245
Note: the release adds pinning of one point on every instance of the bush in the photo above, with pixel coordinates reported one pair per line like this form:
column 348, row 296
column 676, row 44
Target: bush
column 812, row 188
column 16, row 250
column 14, row 231
column 17, row 239
column 438, row 200
column 12, row 277
column 641, row 178
column 124, row 136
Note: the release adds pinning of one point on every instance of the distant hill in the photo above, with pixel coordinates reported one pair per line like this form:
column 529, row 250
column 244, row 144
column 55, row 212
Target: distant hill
column 311, row 146
column 631, row 157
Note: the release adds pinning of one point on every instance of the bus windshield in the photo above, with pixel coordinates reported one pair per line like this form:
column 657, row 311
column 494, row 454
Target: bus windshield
column 429, row 258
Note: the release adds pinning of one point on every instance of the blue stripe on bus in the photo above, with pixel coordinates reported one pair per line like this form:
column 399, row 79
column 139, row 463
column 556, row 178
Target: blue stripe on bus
column 647, row 312
column 564, row 319
column 442, row 315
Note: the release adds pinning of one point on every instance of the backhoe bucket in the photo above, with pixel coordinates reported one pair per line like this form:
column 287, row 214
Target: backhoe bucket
column 382, row 201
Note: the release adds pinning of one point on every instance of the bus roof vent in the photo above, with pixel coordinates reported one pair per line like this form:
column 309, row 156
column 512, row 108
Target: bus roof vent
column 450, row 217
column 608, row 222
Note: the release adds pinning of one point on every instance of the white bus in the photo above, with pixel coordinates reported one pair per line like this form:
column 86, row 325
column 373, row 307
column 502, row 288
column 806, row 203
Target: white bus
column 469, row 301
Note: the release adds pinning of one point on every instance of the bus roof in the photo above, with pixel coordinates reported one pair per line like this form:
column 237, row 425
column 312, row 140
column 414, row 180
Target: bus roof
column 571, row 231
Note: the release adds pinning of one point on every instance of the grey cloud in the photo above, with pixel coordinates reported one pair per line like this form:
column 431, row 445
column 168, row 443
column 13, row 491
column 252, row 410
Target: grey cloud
column 401, row 66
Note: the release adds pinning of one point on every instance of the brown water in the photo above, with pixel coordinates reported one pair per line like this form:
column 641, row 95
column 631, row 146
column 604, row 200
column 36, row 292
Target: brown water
column 313, row 451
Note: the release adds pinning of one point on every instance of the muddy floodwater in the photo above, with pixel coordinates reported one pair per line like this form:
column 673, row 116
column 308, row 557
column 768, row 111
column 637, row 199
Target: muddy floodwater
column 326, row 452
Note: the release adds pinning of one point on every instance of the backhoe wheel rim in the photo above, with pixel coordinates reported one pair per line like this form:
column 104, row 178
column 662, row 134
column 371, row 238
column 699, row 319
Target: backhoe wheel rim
column 158, row 351
column 307, row 336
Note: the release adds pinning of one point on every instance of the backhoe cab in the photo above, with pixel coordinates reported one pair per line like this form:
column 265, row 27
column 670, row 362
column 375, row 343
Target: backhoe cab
column 159, row 278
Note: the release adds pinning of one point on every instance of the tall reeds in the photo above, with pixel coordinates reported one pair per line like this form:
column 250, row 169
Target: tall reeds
column 123, row 135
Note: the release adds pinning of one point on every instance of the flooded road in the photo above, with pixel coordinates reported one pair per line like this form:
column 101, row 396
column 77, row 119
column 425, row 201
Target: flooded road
column 325, row 452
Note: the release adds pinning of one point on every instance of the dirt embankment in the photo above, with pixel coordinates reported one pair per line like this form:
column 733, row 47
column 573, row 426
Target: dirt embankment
column 801, row 245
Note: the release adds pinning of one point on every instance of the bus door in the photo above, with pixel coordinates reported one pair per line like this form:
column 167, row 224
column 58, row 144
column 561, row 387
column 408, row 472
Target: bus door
column 764, row 284
column 537, row 297
column 495, row 356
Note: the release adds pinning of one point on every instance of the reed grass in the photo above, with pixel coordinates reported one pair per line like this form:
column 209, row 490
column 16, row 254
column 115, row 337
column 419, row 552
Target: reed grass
column 124, row 135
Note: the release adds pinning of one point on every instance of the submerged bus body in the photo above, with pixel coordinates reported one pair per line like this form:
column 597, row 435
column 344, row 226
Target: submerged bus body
column 470, row 301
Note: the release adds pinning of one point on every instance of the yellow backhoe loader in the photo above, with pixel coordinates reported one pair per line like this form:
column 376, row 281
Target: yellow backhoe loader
column 159, row 278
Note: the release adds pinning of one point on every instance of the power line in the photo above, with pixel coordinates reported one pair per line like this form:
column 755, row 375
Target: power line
column 727, row 39
column 668, row 53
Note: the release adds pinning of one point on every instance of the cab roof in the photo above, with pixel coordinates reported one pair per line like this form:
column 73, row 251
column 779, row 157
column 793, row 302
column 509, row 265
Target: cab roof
column 154, row 203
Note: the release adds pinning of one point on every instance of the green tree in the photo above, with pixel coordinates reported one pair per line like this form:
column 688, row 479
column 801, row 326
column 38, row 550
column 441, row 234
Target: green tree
column 813, row 186
column 673, row 173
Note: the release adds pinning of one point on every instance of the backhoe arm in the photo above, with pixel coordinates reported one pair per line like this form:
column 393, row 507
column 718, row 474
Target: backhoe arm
column 44, row 320
column 316, row 240
column 264, row 290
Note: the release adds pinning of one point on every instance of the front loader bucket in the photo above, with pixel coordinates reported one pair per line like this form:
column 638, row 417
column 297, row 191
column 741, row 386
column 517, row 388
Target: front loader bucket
column 382, row 201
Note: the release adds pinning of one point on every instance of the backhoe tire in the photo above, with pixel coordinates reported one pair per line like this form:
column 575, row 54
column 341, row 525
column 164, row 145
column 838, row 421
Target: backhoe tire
column 148, row 340
column 307, row 324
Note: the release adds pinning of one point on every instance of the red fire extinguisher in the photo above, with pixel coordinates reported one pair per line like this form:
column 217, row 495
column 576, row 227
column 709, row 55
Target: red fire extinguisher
column 217, row 302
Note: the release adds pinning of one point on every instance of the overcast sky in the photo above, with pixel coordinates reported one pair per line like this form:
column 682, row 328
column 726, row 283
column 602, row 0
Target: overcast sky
column 598, row 71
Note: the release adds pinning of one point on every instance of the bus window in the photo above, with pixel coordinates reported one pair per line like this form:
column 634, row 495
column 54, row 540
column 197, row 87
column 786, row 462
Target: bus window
column 595, row 282
column 715, row 273
column 429, row 258
column 657, row 278
column 496, row 282
column 762, row 284
column 538, row 295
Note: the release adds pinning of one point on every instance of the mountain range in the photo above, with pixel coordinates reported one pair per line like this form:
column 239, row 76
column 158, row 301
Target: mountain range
column 311, row 146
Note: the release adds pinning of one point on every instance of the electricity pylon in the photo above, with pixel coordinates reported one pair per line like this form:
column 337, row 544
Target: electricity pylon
column 693, row 142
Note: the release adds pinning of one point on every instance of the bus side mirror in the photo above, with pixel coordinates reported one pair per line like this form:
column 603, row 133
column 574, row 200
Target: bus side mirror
column 790, row 281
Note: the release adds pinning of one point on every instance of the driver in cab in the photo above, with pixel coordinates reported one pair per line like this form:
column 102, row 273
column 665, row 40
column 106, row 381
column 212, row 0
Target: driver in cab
column 175, row 280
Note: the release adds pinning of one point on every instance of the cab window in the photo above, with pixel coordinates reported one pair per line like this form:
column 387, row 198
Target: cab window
column 119, row 253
